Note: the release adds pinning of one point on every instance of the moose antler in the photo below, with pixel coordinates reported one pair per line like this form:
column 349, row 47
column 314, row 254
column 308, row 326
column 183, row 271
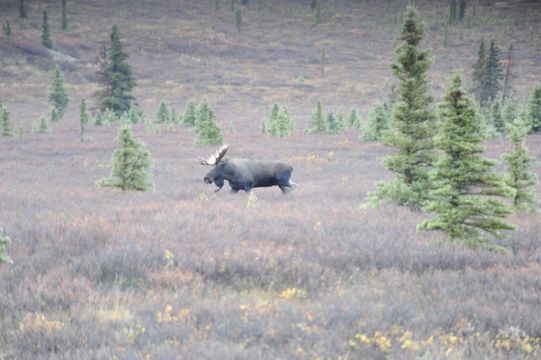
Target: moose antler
column 215, row 158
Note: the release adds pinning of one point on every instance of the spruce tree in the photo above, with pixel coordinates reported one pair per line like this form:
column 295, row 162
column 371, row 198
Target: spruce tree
column 7, row 29
column 493, row 73
column 267, row 124
column 22, row 10
column 334, row 124
column 478, row 75
column 41, row 126
column 163, row 116
column 206, row 128
column 519, row 175
column 497, row 119
column 135, row 115
column 115, row 76
column 354, row 120
column 4, row 258
column 452, row 12
column 64, row 16
column 7, row 128
column 465, row 191
column 279, row 124
column 131, row 162
column 84, row 118
column 462, row 10
column 534, row 109
column 238, row 20
column 188, row 117
column 379, row 118
column 58, row 98
column 45, row 32
column 317, row 120
column 412, row 124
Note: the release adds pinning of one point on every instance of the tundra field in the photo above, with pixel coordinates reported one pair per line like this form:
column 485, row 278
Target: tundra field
column 182, row 272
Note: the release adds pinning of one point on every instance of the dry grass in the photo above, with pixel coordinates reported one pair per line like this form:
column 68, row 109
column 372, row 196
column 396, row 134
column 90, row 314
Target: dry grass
column 183, row 272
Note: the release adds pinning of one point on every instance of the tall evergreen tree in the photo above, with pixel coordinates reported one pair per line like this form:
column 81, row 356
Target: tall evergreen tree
column 58, row 98
column 519, row 175
column 465, row 191
column 452, row 12
column 412, row 124
column 45, row 32
column 115, row 76
column 22, row 10
column 84, row 118
column 206, row 128
column 130, row 166
column 461, row 10
column 317, row 120
column 478, row 74
column 493, row 73
column 5, row 118
column 64, row 16
column 534, row 109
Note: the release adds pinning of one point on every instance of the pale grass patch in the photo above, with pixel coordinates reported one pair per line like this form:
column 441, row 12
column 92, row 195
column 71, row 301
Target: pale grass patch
column 36, row 321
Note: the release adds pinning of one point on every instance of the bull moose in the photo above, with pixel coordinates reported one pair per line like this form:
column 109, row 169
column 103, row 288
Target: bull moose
column 245, row 174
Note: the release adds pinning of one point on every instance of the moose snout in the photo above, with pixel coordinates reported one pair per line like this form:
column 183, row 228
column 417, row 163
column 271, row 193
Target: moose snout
column 207, row 180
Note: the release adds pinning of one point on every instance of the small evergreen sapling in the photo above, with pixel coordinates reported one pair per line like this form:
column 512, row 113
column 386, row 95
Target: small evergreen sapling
column 4, row 258
column 279, row 124
column 465, row 191
column 131, row 163
column 7, row 128
column 45, row 32
column 534, row 109
column 379, row 117
column 354, row 120
column 84, row 118
column 188, row 117
column 7, row 29
column 317, row 122
column 334, row 124
column 238, row 20
column 58, row 98
column 206, row 128
column 41, row 126
column 135, row 114
column 519, row 175
column 164, row 115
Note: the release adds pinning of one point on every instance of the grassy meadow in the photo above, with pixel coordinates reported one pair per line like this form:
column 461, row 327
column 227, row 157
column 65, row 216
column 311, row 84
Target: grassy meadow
column 185, row 273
